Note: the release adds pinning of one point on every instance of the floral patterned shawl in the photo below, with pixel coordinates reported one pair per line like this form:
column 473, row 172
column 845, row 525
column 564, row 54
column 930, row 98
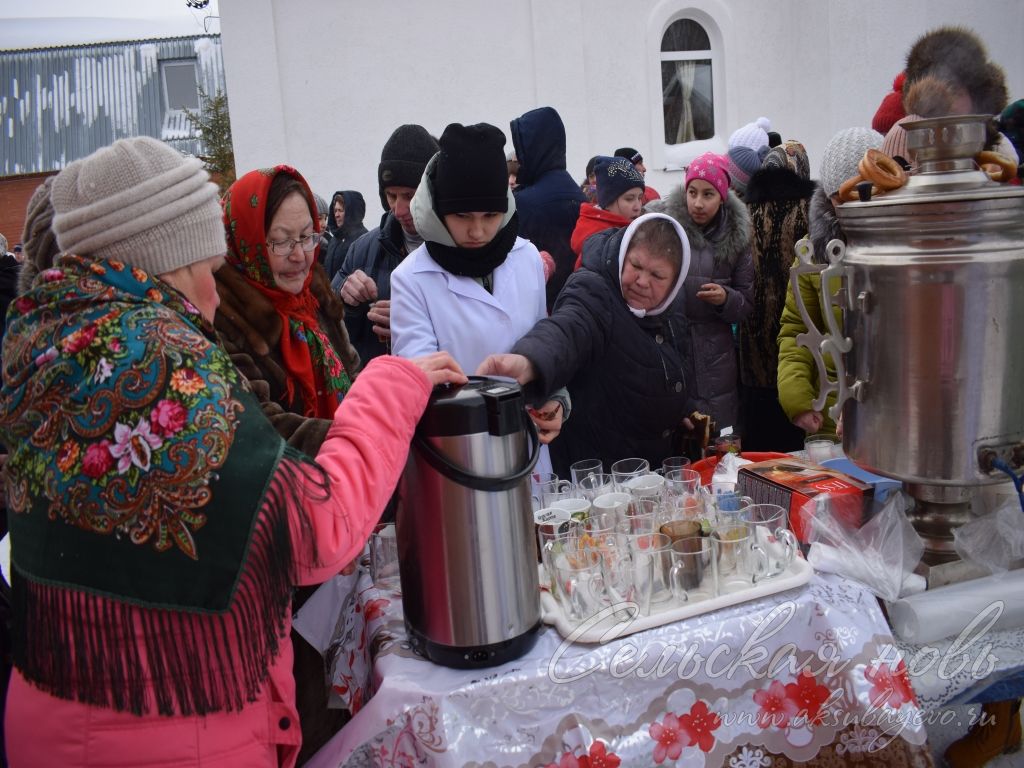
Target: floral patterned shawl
column 147, row 498
column 309, row 357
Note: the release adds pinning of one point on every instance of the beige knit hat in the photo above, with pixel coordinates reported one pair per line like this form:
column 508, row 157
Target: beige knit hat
column 140, row 202
column 40, row 242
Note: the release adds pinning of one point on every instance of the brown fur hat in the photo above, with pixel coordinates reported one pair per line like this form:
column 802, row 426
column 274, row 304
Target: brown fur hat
column 958, row 56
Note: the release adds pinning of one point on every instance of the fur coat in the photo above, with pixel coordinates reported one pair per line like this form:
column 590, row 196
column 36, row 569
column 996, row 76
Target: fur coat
column 250, row 330
column 777, row 199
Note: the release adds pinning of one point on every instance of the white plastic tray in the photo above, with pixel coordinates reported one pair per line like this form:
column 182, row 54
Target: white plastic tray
column 605, row 626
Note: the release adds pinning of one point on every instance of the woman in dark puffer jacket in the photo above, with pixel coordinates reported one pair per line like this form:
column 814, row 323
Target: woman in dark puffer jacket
column 617, row 339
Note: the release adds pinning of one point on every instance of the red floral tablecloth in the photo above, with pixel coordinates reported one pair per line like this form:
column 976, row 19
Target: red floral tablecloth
column 805, row 677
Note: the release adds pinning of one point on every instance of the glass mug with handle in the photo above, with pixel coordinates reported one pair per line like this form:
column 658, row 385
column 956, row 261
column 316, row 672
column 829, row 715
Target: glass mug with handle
column 723, row 502
column 594, row 485
column 625, row 469
column 694, row 573
column 768, row 524
column 740, row 566
column 585, row 468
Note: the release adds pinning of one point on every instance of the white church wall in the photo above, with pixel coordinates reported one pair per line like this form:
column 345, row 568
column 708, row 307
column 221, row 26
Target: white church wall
column 321, row 84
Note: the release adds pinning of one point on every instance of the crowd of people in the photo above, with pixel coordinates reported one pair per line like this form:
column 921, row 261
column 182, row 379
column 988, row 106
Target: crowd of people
column 208, row 401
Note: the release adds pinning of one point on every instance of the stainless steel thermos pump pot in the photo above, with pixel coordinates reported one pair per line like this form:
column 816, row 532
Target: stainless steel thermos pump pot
column 466, row 543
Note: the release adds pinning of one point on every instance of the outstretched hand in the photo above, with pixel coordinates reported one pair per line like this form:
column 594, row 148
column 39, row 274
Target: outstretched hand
column 440, row 368
column 515, row 367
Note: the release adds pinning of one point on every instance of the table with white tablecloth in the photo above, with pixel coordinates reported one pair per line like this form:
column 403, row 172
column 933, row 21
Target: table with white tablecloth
column 809, row 676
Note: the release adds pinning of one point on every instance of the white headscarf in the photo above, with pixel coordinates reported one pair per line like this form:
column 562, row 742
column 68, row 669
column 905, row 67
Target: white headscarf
column 684, row 267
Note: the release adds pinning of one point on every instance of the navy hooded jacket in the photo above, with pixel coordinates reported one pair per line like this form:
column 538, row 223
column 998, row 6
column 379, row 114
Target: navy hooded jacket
column 547, row 198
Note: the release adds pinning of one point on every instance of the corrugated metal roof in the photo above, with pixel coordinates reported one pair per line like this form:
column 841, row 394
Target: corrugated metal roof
column 60, row 104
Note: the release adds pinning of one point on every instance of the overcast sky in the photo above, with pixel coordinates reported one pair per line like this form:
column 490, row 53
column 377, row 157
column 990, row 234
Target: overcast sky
column 43, row 23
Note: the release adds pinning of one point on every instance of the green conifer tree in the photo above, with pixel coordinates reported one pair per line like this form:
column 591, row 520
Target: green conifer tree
column 214, row 127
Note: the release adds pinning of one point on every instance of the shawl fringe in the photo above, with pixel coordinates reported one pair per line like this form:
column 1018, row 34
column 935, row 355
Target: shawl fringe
column 105, row 652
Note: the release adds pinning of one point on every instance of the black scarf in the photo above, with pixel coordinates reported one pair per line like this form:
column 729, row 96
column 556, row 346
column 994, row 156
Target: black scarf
column 477, row 262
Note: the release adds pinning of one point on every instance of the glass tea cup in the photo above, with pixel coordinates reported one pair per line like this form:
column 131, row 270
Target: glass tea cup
column 680, row 529
column 693, row 575
column 823, row 446
column 555, row 536
column 657, row 547
column 594, row 485
column 727, row 444
column 624, row 469
column 585, row 468
column 675, row 462
column 739, row 565
column 384, row 558
column 642, row 516
column 768, row 524
column 723, row 503
column 616, row 502
column 649, row 485
column 578, row 583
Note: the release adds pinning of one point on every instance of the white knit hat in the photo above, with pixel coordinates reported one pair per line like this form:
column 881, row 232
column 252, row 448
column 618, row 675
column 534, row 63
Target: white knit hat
column 140, row 202
column 842, row 155
column 752, row 135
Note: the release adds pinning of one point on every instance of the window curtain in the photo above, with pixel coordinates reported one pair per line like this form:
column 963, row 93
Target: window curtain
column 685, row 72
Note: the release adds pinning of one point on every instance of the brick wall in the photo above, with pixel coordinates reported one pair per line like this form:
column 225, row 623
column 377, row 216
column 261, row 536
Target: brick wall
column 15, row 192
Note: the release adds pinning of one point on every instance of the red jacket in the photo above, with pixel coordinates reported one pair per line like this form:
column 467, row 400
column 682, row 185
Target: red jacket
column 592, row 220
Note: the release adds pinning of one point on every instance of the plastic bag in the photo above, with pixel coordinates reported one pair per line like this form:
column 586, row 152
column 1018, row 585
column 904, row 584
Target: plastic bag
column 993, row 541
column 728, row 468
column 881, row 554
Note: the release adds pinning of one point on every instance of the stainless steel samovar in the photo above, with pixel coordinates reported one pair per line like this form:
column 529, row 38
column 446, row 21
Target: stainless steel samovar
column 930, row 358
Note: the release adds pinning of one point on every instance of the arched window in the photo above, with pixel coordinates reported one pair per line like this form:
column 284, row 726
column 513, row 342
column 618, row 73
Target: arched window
column 686, row 83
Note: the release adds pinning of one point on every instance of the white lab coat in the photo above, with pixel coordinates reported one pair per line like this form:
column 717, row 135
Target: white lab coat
column 432, row 309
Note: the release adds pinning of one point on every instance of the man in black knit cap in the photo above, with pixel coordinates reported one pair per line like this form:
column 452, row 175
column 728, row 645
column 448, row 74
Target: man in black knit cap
column 364, row 280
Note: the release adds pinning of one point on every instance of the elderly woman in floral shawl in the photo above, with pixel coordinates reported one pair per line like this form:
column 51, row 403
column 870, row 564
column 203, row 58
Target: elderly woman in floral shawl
column 158, row 522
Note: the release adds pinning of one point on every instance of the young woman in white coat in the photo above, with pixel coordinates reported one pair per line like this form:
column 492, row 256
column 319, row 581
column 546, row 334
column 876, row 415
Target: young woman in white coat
column 474, row 287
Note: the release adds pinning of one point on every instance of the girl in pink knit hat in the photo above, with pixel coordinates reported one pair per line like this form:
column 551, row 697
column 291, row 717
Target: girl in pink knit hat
column 718, row 290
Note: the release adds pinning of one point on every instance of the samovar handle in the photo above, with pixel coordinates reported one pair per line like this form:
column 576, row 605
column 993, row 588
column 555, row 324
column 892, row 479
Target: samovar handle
column 833, row 341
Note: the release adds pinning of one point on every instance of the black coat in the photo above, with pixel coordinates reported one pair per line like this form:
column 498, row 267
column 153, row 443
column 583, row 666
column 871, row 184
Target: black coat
column 9, row 268
column 341, row 238
column 376, row 253
column 627, row 375
column 547, row 198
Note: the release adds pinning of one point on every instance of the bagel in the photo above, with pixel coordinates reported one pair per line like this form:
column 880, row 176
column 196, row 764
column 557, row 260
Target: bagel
column 998, row 167
column 881, row 170
column 848, row 189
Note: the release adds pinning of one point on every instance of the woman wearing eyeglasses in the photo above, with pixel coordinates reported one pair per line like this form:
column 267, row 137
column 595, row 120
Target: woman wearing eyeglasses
column 284, row 329
column 278, row 317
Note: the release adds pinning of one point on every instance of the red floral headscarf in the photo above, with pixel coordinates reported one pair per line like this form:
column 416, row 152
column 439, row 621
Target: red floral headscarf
column 309, row 357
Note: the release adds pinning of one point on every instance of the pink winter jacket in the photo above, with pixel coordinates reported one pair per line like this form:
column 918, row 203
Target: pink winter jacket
column 364, row 453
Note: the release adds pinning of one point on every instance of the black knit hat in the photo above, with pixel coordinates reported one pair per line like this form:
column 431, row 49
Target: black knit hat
column 471, row 174
column 404, row 158
column 630, row 154
column 615, row 177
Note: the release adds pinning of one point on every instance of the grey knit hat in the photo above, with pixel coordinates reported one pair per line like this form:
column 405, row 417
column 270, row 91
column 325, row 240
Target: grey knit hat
column 842, row 154
column 321, row 205
column 140, row 202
